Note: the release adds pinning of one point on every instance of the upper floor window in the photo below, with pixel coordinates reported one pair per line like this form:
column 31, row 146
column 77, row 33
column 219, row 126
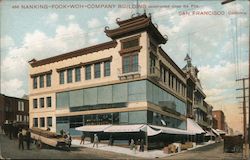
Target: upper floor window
column 61, row 77
column 41, row 81
column 41, row 102
column 88, row 72
column 48, row 100
column 106, row 68
column 69, row 75
column 130, row 63
column 34, row 82
column 97, row 67
column 20, row 106
column 152, row 64
column 34, row 103
column 77, row 74
column 48, row 80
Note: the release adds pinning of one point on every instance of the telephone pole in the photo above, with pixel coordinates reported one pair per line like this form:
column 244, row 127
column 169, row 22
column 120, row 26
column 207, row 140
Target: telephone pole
column 246, row 148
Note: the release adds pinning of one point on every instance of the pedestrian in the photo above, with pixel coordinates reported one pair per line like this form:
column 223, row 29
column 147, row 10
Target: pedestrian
column 111, row 140
column 28, row 139
column 69, row 140
column 10, row 130
column 142, row 146
column 96, row 141
column 82, row 138
column 20, row 139
column 132, row 142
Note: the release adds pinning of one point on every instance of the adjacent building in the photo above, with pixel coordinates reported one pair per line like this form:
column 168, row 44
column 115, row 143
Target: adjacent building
column 13, row 109
column 219, row 116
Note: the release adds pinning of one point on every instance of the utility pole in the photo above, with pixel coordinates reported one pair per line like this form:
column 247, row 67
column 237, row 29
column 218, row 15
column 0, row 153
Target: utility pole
column 246, row 148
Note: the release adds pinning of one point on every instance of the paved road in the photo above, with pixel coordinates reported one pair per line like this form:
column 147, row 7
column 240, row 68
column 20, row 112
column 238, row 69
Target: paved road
column 10, row 150
column 210, row 152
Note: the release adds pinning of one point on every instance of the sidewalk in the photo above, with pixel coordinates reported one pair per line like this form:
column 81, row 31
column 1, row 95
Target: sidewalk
column 146, row 154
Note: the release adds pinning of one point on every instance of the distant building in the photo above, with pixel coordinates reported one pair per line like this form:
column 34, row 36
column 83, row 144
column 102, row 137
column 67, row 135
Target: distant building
column 215, row 123
column 220, row 118
column 13, row 109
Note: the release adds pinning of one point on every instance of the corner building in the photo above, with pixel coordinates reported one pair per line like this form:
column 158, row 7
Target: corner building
column 127, row 82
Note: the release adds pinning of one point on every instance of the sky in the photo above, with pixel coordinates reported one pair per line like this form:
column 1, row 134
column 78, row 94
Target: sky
column 217, row 42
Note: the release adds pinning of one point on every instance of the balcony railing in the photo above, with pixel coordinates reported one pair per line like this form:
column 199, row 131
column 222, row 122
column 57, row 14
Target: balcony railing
column 129, row 71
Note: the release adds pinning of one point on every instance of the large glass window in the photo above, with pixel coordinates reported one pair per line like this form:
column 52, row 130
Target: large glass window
column 88, row 72
column 106, row 68
column 97, row 67
column 41, row 102
column 130, row 63
column 123, row 116
column 35, row 122
column 34, row 103
column 41, row 81
column 62, row 99
column 48, row 80
column 120, row 93
column 77, row 74
column 49, row 121
column 90, row 96
column 138, row 117
column 75, row 121
column 42, row 122
column 105, row 94
column 61, row 76
column 76, row 98
column 69, row 75
column 48, row 100
column 34, row 82
column 137, row 91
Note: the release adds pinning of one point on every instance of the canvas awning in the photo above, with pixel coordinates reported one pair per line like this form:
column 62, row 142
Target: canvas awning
column 220, row 131
column 150, row 131
column 169, row 130
column 124, row 128
column 209, row 133
column 215, row 132
column 93, row 128
column 193, row 128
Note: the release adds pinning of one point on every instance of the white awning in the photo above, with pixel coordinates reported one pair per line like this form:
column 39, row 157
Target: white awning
column 124, row 128
column 169, row 130
column 209, row 133
column 193, row 128
column 93, row 128
column 220, row 131
column 214, row 131
column 150, row 131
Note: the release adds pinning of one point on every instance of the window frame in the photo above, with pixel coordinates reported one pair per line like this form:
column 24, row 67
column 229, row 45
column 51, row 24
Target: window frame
column 131, row 64
column 35, row 82
column 88, row 72
column 107, row 71
column 48, row 80
column 77, row 74
column 35, row 103
column 41, row 81
column 41, row 105
column 48, row 99
column 61, row 77
column 70, row 75
column 97, row 70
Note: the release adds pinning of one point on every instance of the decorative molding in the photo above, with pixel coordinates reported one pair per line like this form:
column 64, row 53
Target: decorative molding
column 85, row 63
column 41, row 73
column 80, row 52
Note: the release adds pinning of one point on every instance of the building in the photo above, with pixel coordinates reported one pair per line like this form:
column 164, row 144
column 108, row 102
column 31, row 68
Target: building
column 13, row 109
column 220, row 118
column 128, row 86
column 196, row 105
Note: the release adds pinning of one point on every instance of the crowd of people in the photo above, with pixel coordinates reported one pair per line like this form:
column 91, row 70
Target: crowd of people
column 138, row 144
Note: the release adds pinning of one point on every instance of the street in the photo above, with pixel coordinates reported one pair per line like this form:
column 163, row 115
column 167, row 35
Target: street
column 213, row 151
column 9, row 149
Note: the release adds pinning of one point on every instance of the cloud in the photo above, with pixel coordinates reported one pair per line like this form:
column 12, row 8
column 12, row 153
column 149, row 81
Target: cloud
column 7, row 42
column 52, row 18
column 114, row 14
column 93, row 23
column 70, row 17
column 39, row 45
column 13, row 87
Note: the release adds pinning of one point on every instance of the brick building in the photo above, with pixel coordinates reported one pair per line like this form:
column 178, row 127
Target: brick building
column 13, row 109
column 220, row 118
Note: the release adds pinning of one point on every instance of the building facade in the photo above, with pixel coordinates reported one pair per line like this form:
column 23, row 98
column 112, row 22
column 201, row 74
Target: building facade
column 13, row 109
column 220, row 118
